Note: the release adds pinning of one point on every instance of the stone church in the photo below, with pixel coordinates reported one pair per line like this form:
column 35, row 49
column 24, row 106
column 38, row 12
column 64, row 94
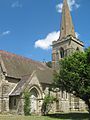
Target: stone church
column 18, row 73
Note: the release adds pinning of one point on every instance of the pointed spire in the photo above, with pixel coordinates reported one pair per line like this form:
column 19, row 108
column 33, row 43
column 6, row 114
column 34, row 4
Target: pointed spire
column 67, row 27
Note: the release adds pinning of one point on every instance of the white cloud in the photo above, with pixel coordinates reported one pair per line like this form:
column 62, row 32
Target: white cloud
column 72, row 4
column 5, row 33
column 59, row 7
column 16, row 4
column 77, row 34
column 47, row 42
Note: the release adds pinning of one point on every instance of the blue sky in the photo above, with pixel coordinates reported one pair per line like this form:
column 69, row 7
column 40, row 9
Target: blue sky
column 27, row 27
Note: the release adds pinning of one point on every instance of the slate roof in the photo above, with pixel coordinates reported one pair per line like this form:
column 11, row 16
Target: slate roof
column 17, row 66
column 42, row 77
column 20, row 86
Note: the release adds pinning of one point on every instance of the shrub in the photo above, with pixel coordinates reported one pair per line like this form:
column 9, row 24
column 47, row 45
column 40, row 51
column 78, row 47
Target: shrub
column 46, row 106
column 26, row 103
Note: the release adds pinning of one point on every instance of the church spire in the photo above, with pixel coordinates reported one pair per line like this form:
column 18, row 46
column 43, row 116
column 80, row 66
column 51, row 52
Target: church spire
column 67, row 27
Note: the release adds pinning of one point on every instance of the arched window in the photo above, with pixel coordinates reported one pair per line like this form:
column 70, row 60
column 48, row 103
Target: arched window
column 61, row 52
column 77, row 49
column 34, row 92
column 62, row 94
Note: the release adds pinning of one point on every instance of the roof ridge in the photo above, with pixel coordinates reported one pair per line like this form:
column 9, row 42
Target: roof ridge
column 13, row 54
column 9, row 54
column 26, row 75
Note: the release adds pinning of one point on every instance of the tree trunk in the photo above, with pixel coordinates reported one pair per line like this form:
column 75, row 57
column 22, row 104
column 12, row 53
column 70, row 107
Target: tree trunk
column 88, row 104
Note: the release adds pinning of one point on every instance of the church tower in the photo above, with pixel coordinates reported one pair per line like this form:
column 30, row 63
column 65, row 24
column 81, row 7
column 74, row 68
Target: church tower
column 67, row 42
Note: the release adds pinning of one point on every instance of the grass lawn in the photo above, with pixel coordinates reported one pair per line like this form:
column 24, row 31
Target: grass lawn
column 67, row 116
column 26, row 118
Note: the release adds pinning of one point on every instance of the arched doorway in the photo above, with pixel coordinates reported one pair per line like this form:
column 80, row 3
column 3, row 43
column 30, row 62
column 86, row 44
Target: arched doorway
column 34, row 98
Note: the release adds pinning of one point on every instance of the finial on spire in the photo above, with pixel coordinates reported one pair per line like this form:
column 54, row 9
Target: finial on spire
column 67, row 27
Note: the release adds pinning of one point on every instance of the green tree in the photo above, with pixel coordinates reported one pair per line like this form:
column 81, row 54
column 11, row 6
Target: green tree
column 74, row 75
column 26, row 102
column 46, row 106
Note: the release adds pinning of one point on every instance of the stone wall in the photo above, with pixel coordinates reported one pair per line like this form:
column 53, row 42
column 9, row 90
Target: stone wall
column 6, row 87
column 15, row 104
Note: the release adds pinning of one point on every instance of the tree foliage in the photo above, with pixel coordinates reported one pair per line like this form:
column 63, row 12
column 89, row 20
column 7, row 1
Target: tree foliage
column 74, row 75
column 26, row 102
column 46, row 106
